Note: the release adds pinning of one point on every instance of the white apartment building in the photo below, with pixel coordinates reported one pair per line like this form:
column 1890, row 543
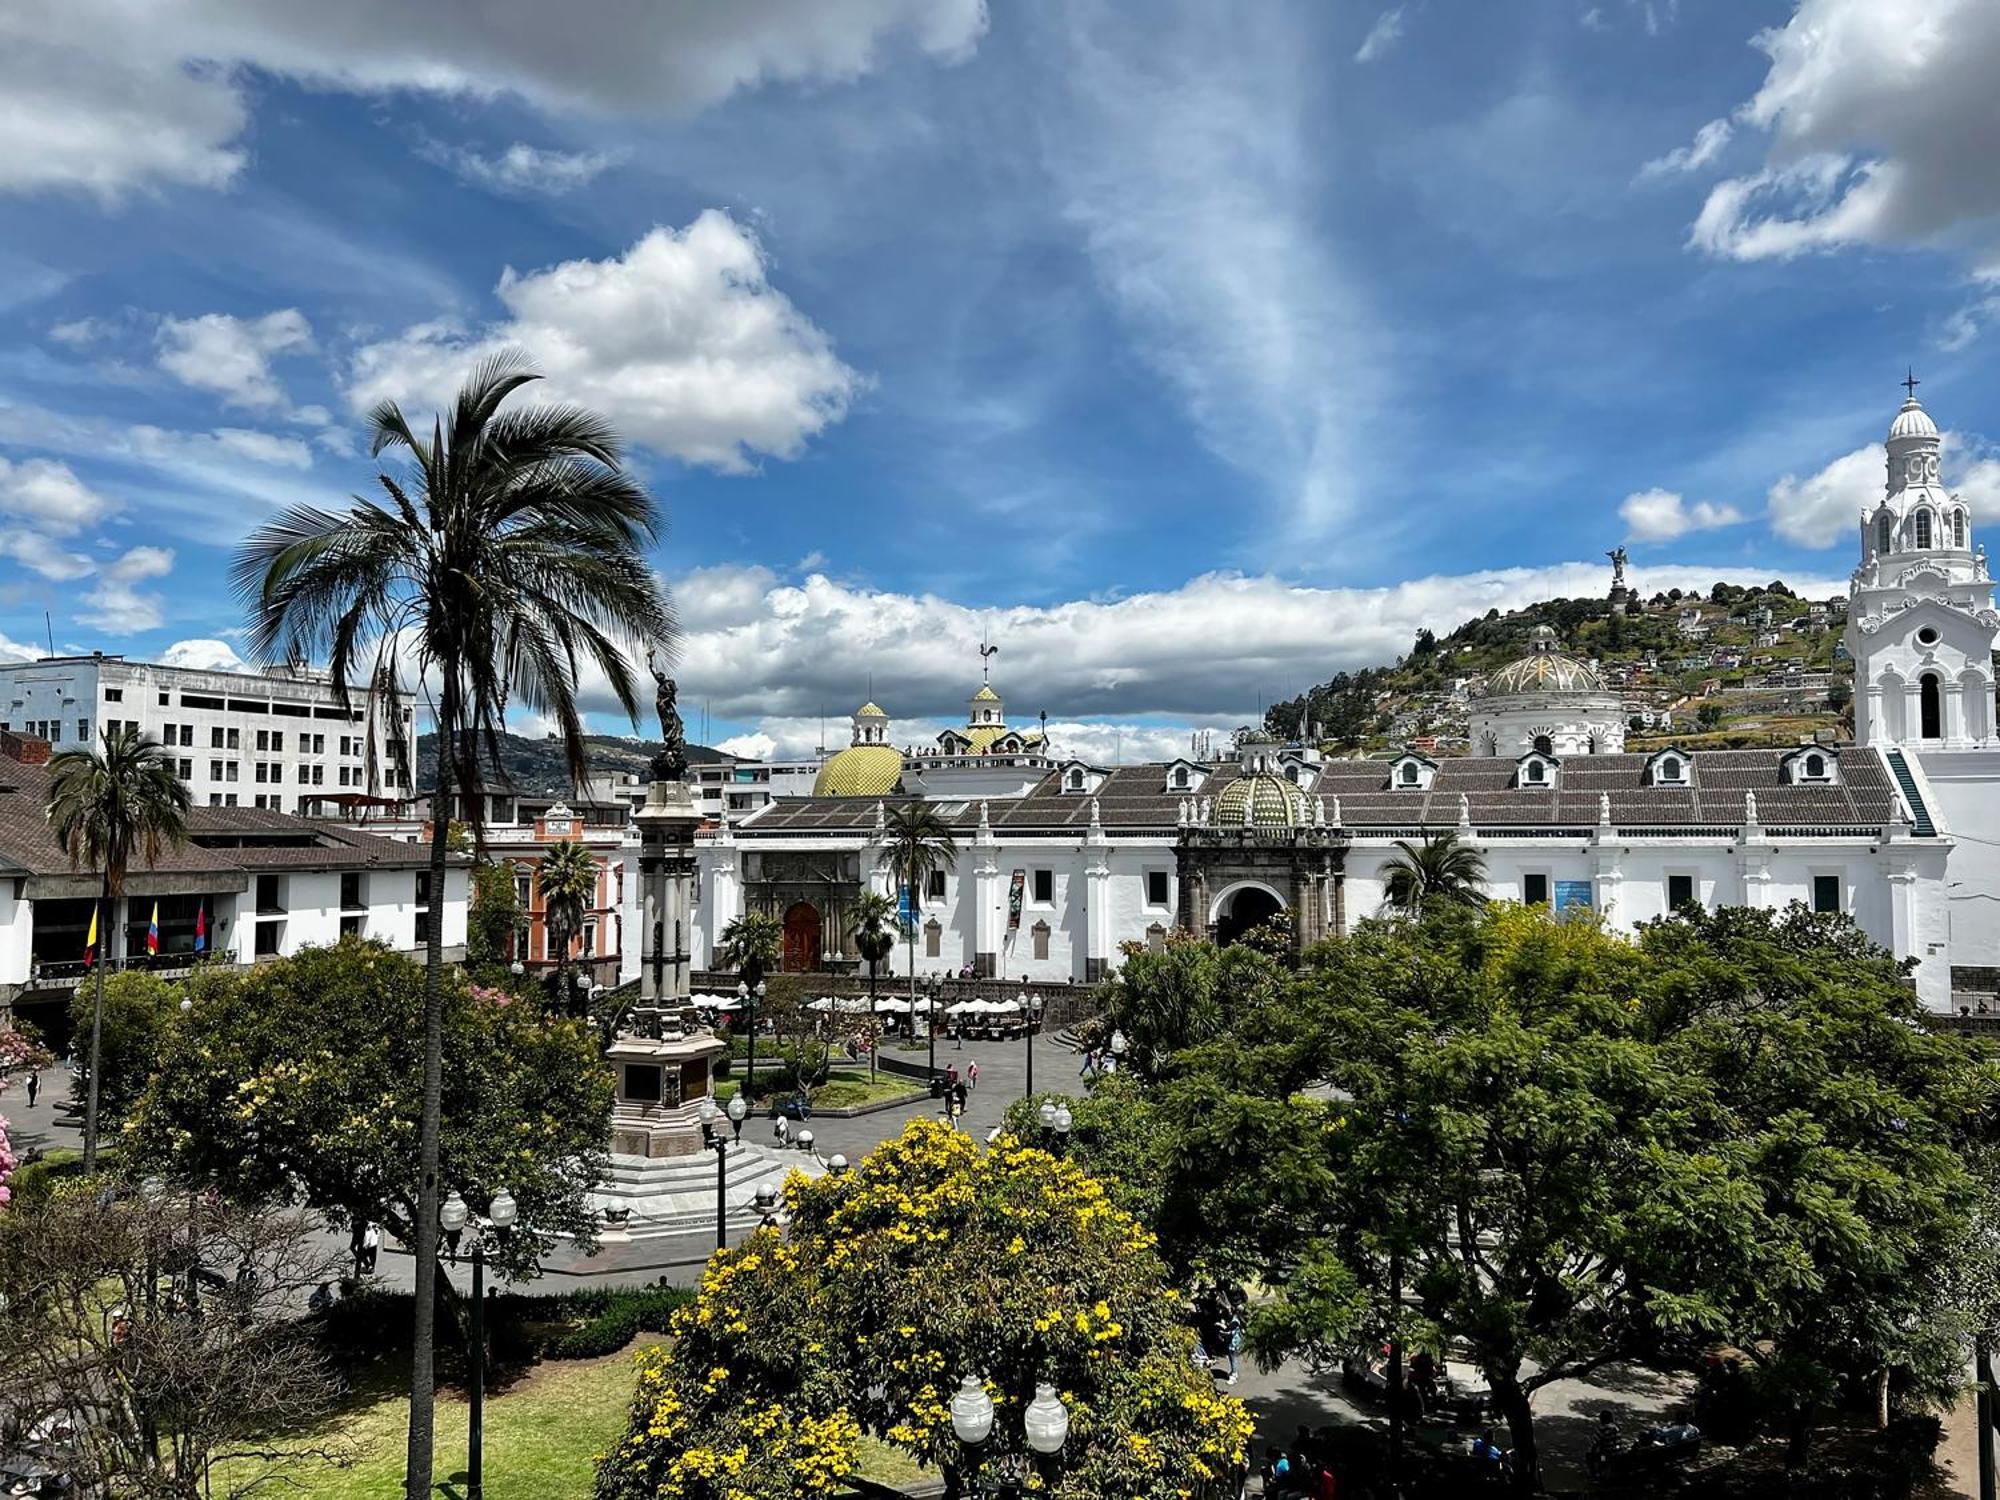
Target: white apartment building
column 276, row 741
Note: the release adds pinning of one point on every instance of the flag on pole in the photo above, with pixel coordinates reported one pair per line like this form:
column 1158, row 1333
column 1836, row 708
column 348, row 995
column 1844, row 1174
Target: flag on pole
column 153, row 931
column 201, row 927
column 90, row 943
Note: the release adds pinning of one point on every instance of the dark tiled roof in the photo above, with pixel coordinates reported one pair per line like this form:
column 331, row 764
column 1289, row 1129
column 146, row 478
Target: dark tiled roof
column 222, row 840
column 1136, row 797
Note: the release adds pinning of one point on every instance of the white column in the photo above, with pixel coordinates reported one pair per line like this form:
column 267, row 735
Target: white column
column 986, row 911
column 1868, row 715
column 1097, row 914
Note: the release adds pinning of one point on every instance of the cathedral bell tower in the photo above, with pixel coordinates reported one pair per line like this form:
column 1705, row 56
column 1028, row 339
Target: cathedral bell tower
column 1920, row 620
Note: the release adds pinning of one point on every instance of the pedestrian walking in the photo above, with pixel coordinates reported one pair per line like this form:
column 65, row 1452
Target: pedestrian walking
column 371, row 1248
column 951, row 1076
column 34, row 1086
column 1233, row 1336
column 782, row 1130
column 1089, row 1063
column 972, row 1075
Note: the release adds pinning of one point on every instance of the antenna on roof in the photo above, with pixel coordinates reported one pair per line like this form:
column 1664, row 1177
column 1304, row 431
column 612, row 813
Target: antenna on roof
column 51, row 629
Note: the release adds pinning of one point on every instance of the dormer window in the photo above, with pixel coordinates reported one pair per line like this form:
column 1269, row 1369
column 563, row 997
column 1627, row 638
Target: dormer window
column 1076, row 781
column 1811, row 765
column 1180, row 778
column 1669, row 768
column 1536, row 771
column 1411, row 772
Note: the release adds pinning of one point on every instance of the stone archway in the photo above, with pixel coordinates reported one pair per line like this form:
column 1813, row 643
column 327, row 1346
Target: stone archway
column 802, row 938
column 1241, row 908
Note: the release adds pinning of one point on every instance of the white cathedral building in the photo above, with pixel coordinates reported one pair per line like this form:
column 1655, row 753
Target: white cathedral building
column 1061, row 862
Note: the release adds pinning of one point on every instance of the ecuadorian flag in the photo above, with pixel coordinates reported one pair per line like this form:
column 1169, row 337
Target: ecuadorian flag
column 90, row 943
column 153, row 931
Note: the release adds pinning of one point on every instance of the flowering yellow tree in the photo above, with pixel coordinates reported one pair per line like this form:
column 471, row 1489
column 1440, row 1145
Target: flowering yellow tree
column 930, row 1261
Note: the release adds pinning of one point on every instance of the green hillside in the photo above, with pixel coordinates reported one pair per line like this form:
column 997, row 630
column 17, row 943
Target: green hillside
column 538, row 767
column 1732, row 667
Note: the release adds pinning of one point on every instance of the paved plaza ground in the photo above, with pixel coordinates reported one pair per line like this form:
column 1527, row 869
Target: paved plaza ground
column 1282, row 1399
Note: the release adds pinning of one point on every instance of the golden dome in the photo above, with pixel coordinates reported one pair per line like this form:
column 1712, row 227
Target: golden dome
column 986, row 695
column 860, row 771
column 869, row 711
column 1543, row 670
column 1273, row 801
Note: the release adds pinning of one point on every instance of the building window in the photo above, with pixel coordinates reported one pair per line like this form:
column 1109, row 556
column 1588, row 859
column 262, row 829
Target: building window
column 187, row 770
column 215, row 770
column 350, row 891
column 1040, row 934
column 351, row 926
column 934, row 886
column 1931, row 706
column 1545, row 745
column 933, row 939
column 1923, row 529
column 229, row 774
column 1680, row 891
column 1958, row 529
column 260, row 779
column 215, row 738
column 1076, row 781
column 215, row 799
column 1535, row 771
column 1826, row 893
column 1815, row 766
column 1045, row 886
column 114, row 695
column 1180, row 778
column 1882, row 532
column 1156, row 887
column 265, row 944
column 83, row 729
column 1535, row 889
column 1408, row 775
column 268, row 901
column 235, row 739
column 165, row 699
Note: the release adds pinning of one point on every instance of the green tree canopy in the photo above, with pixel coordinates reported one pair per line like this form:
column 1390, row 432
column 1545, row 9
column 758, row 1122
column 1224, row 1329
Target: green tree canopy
column 300, row 1080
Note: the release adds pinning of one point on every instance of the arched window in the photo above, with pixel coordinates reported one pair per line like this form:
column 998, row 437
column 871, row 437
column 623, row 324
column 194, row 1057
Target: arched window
column 1815, row 766
column 1076, row 781
column 1931, row 707
column 1180, row 777
column 1534, row 770
column 1923, row 529
column 1409, row 773
column 1544, row 744
column 1882, row 532
column 1958, row 529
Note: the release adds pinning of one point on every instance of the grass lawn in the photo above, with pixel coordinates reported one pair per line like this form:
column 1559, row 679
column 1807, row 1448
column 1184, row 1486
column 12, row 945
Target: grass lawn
column 543, row 1435
column 844, row 1088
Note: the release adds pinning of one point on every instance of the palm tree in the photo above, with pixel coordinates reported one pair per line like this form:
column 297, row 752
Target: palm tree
column 750, row 945
column 1439, row 869
column 509, row 555
column 917, row 844
column 103, row 806
column 871, row 914
column 568, row 879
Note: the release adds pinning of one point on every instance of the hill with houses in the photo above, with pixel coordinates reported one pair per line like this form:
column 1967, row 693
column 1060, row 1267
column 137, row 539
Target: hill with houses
column 1733, row 667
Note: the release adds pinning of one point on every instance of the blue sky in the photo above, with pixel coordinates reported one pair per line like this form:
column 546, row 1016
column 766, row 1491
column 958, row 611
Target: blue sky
column 1189, row 352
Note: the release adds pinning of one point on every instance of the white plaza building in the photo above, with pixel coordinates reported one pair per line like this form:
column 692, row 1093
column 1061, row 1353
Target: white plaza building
column 1061, row 862
column 281, row 742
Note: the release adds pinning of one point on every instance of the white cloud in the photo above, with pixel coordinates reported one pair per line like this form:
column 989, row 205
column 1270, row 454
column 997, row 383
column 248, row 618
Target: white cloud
column 522, row 168
column 764, row 654
column 1383, row 35
column 81, row 333
column 203, row 656
column 264, row 447
column 38, row 554
column 1703, row 149
column 1593, row 19
column 750, row 746
column 109, row 97
column 116, row 604
column 1822, row 508
column 682, row 343
column 232, row 356
column 1181, row 153
column 1882, row 131
column 49, row 495
column 1661, row 516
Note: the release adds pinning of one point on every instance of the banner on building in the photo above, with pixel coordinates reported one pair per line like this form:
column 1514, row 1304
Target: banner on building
column 1572, row 893
column 906, row 910
column 1016, row 889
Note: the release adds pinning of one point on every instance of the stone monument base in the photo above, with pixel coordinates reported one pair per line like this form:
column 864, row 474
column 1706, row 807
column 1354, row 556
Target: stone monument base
column 661, row 1083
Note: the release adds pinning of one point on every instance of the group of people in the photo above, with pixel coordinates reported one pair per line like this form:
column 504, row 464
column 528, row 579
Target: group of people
column 1220, row 1312
column 1097, row 1063
column 1306, row 1470
column 955, row 1089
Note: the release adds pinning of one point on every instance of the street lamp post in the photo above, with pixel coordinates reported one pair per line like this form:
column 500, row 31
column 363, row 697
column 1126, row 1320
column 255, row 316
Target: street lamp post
column 1028, row 1031
column 1117, row 1049
column 1056, row 1121
column 715, row 1140
column 452, row 1217
column 1044, row 1429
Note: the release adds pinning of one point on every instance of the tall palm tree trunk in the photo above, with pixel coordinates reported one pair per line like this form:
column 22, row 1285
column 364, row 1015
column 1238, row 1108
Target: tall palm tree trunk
column 423, row 1342
column 96, row 1034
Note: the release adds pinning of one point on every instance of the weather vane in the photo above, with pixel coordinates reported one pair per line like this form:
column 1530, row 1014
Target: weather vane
column 986, row 655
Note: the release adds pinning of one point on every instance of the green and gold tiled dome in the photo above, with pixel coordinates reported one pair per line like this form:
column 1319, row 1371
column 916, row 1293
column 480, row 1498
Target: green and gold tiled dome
column 1273, row 801
column 860, row 771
